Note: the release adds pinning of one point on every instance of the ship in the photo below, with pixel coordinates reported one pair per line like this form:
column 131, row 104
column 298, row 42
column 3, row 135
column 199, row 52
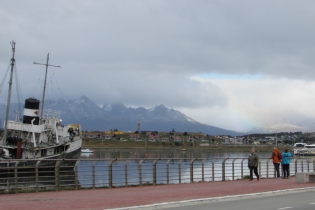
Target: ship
column 39, row 134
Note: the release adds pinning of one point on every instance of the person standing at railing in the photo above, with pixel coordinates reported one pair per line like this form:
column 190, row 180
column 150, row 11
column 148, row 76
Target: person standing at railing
column 253, row 161
column 275, row 156
column 286, row 163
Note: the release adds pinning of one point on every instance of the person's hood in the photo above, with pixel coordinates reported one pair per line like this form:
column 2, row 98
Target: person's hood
column 276, row 151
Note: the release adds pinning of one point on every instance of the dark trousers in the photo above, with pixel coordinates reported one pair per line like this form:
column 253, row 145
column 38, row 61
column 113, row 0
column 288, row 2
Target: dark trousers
column 277, row 169
column 286, row 170
column 251, row 169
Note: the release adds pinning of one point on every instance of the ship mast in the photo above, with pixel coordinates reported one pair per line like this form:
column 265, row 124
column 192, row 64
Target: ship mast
column 44, row 91
column 9, row 95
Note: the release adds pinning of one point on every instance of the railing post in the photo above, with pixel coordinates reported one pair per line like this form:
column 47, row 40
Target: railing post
column 126, row 173
column 233, row 173
column 267, row 168
column 57, row 164
column 242, row 168
column 76, row 174
column 295, row 164
column 168, row 172
column 259, row 168
column 36, row 175
column 15, row 175
column 93, row 174
column 308, row 165
column 110, row 173
column 140, row 172
column 203, row 170
column 192, row 170
column 223, row 169
column 213, row 174
column 180, row 171
column 302, row 165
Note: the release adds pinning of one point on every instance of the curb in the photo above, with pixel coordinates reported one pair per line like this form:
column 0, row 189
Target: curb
column 214, row 199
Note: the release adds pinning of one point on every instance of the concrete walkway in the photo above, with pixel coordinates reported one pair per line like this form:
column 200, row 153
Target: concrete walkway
column 135, row 196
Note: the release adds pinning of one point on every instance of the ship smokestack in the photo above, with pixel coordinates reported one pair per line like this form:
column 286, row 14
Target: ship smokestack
column 31, row 111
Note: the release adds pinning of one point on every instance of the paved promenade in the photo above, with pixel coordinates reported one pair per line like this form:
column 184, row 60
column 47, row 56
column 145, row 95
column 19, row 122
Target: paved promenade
column 135, row 196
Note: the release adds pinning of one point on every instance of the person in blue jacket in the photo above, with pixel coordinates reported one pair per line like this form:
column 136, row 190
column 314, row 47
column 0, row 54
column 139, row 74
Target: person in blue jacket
column 286, row 156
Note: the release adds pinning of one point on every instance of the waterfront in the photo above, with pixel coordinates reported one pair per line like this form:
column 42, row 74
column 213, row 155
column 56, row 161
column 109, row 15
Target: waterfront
column 133, row 167
column 137, row 167
column 102, row 153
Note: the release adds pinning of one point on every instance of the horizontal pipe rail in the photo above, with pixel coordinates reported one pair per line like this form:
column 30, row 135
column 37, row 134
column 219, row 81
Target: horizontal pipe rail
column 37, row 175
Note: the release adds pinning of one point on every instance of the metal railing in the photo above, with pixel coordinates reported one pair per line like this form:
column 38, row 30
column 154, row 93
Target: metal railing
column 41, row 175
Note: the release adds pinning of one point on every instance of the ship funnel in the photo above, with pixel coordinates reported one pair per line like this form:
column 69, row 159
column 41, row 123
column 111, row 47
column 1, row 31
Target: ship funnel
column 31, row 111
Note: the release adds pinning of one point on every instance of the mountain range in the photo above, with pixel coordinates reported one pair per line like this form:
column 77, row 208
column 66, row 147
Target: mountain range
column 117, row 116
column 159, row 118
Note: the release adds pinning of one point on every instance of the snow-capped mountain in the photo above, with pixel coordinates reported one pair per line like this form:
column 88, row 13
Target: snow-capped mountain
column 111, row 116
column 156, row 114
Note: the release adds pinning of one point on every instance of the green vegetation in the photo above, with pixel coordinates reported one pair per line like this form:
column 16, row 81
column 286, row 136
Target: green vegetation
column 246, row 177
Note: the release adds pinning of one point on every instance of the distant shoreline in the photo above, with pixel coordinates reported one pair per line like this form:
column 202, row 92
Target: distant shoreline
column 119, row 145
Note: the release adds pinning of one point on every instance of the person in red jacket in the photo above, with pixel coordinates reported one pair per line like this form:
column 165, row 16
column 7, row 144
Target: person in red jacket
column 276, row 161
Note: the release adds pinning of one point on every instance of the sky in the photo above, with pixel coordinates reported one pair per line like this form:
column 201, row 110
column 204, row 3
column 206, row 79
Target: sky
column 230, row 64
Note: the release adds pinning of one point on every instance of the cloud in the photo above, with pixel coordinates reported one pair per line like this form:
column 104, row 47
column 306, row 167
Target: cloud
column 145, row 53
column 147, row 90
column 219, row 36
column 258, row 102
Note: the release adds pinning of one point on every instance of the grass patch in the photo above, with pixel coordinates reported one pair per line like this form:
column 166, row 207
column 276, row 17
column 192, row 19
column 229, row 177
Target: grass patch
column 246, row 177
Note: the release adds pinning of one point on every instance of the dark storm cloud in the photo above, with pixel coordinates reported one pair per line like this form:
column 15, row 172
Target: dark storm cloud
column 145, row 53
column 272, row 38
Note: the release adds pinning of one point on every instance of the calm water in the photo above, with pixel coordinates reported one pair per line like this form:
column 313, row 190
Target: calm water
column 167, row 153
column 173, row 170
column 85, row 173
